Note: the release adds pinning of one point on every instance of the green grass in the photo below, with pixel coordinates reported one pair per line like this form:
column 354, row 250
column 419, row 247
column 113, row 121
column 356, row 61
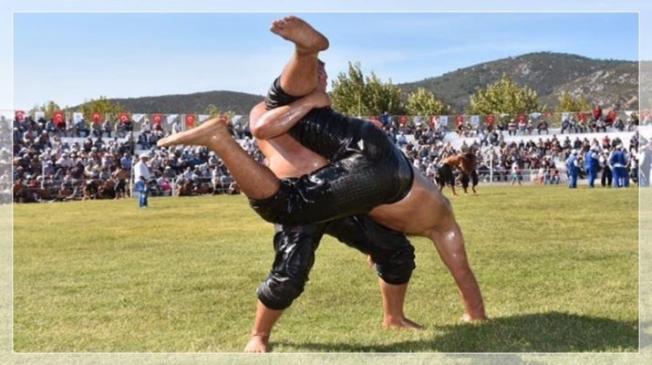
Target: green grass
column 558, row 270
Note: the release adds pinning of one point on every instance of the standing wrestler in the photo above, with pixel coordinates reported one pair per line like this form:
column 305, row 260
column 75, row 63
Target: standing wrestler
column 368, row 170
column 466, row 163
column 120, row 176
column 469, row 170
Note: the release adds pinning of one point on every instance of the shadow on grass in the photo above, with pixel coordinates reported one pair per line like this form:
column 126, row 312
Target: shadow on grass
column 543, row 332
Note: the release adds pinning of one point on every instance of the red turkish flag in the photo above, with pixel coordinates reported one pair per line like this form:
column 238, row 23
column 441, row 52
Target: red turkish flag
column 459, row 119
column 20, row 115
column 547, row 114
column 581, row 116
column 157, row 118
column 521, row 118
column 404, row 120
column 96, row 117
column 190, row 120
column 124, row 117
column 612, row 115
column 490, row 119
column 58, row 117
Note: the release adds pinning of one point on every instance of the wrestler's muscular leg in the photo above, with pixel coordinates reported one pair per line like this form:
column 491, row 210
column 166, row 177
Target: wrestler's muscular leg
column 263, row 324
column 449, row 241
column 393, row 299
column 435, row 220
column 299, row 77
column 254, row 179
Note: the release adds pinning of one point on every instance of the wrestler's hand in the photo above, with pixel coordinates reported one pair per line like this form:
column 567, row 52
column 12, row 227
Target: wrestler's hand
column 319, row 99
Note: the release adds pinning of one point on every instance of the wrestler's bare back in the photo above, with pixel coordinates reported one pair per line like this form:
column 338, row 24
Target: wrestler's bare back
column 422, row 210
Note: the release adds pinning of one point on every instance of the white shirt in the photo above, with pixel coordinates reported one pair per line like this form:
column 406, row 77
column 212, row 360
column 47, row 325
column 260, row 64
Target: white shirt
column 141, row 170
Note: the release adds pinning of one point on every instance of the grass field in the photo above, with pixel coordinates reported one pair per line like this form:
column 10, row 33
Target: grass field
column 558, row 270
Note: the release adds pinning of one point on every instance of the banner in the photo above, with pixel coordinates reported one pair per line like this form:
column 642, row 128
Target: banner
column 156, row 119
column 58, row 117
column 172, row 118
column 137, row 117
column 236, row 119
column 77, row 117
column 124, row 117
column 475, row 120
column 203, row 117
column 97, row 117
column 443, row 120
column 39, row 115
column 565, row 116
column 190, row 120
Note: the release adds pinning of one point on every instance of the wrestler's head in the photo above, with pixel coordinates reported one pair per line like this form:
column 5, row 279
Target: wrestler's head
column 322, row 76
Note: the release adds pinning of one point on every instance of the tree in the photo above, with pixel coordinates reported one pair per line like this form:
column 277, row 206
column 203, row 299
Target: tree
column 506, row 97
column 355, row 94
column 424, row 103
column 567, row 103
column 101, row 105
column 48, row 108
column 212, row 110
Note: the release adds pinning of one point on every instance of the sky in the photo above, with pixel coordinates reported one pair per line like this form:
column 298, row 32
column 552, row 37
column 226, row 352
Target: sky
column 70, row 58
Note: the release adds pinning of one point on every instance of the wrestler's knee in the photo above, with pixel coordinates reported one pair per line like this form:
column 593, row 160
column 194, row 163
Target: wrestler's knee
column 278, row 293
column 276, row 96
column 275, row 208
column 396, row 268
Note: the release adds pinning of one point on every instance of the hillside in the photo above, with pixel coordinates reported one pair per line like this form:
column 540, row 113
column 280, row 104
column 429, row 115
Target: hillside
column 238, row 102
column 607, row 82
column 611, row 83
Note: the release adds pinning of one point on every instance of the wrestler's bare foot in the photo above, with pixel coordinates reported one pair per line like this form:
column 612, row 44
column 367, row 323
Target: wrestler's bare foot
column 206, row 134
column 257, row 344
column 304, row 36
column 478, row 318
column 401, row 323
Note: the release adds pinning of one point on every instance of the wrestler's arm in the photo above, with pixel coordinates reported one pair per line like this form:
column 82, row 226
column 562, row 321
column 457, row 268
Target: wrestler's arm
column 272, row 123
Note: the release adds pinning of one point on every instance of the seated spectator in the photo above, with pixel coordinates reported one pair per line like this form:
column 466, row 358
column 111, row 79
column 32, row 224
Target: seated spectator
column 565, row 126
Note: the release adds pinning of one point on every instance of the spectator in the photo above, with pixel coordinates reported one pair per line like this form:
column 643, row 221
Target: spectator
column 618, row 162
column 572, row 168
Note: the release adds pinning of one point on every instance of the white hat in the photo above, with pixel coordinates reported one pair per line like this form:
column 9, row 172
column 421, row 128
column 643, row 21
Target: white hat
column 574, row 152
column 144, row 155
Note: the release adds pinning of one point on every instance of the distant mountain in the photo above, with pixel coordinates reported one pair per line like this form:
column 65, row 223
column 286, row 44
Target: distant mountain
column 611, row 83
column 238, row 102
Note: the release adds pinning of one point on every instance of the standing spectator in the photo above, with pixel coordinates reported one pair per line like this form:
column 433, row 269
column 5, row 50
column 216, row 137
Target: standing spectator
column 565, row 126
column 515, row 173
column 597, row 112
column 141, row 178
column 107, row 128
column 572, row 169
column 591, row 164
column 607, row 175
column 511, row 127
column 618, row 164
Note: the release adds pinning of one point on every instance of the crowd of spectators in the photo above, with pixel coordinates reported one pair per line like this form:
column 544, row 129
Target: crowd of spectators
column 48, row 167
